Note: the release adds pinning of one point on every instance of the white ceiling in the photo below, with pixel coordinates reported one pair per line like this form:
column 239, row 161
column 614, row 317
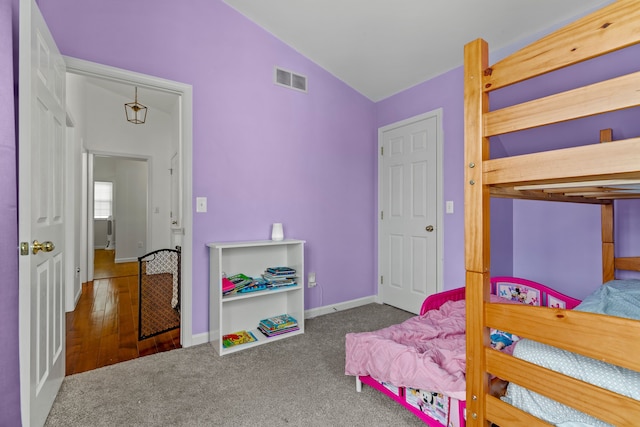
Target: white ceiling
column 381, row 47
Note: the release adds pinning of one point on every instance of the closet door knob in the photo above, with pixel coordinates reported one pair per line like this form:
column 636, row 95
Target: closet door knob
column 429, row 228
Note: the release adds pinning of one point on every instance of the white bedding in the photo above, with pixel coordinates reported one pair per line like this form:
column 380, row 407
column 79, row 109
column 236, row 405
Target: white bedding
column 616, row 298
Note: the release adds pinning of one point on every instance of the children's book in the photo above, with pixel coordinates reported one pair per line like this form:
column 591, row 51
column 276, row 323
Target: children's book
column 240, row 279
column 276, row 271
column 227, row 285
column 278, row 322
column 278, row 332
column 237, row 338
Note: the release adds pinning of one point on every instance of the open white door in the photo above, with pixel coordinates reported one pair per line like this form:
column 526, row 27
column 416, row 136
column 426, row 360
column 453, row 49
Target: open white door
column 41, row 217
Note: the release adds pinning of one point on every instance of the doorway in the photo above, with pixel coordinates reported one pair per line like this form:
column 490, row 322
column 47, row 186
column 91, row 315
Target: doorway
column 410, row 210
column 118, row 206
column 167, row 226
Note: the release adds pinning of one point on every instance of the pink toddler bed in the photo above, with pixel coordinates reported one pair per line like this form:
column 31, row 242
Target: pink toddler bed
column 420, row 363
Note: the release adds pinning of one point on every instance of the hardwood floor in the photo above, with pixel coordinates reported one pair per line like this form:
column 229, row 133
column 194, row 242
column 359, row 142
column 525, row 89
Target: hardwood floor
column 103, row 329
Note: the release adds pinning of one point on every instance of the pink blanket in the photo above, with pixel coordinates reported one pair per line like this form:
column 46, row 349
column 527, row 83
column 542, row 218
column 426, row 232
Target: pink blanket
column 425, row 352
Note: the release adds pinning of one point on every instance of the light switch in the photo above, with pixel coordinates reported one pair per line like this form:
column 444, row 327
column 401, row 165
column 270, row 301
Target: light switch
column 449, row 206
column 201, row 204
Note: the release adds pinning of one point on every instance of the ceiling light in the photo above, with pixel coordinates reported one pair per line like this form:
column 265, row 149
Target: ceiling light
column 136, row 112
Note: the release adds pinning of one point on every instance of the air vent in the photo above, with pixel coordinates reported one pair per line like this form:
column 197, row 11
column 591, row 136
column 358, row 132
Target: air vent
column 291, row 80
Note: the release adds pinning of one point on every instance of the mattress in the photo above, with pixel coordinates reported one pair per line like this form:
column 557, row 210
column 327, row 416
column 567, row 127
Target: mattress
column 616, row 298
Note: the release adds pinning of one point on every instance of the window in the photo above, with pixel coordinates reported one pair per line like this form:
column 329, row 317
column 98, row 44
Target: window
column 102, row 199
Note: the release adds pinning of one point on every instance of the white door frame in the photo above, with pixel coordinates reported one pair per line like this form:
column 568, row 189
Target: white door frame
column 185, row 92
column 439, row 226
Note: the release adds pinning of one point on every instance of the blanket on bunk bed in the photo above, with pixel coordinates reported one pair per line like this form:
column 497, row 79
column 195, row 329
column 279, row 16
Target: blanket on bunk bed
column 616, row 298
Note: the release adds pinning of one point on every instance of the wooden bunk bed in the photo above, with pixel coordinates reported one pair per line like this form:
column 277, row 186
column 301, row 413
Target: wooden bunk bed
column 594, row 174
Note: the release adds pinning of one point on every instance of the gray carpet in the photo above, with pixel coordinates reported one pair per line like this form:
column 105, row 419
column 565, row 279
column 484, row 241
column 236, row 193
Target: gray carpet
column 297, row 381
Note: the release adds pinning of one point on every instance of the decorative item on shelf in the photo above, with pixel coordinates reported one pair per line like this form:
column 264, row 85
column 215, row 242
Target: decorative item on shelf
column 136, row 112
column 277, row 234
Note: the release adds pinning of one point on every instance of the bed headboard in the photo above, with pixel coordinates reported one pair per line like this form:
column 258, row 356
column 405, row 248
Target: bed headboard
column 530, row 293
column 512, row 288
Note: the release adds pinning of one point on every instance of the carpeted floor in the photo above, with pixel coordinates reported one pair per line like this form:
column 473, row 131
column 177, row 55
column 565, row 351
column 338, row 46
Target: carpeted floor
column 298, row 381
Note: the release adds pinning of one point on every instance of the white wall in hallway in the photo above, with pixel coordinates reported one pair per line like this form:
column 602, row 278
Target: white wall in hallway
column 108, row 132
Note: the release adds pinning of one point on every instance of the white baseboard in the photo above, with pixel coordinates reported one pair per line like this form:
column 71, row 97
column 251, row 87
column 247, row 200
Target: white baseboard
column 119, row 260
column 198, row 339
column 328, row 309
column 308, row 314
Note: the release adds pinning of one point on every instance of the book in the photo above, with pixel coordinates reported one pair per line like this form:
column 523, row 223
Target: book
column 276, row 323
column 239, row 282
column 272, row 278
column 240, row 279
column 252, row 288
column 227, row 285
column 277, row 271
column 277, row 285
column 280, row 332
column 237, row 338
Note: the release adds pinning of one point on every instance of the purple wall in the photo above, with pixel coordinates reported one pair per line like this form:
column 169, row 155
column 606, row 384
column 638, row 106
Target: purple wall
column 555, row 243
column 558, row 243
column 9, row 358
column 262, row 153
column 254, row 143
column 446, row 91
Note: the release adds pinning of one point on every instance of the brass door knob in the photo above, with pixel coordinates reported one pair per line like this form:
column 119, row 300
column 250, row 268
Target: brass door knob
column 429, row 228
column 44, row 246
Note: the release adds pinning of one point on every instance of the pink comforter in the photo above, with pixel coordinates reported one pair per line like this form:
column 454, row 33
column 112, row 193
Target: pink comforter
column 425, row 352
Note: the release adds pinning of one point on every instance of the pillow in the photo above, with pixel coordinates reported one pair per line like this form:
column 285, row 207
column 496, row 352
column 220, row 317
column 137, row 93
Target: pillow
column 502, row 340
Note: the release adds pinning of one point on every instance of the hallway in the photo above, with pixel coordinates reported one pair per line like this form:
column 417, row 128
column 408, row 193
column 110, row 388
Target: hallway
column 103, row 329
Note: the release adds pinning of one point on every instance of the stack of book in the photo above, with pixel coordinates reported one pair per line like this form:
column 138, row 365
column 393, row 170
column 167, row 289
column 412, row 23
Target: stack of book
column 239, row 281
column 279, row 276
column 278, row 325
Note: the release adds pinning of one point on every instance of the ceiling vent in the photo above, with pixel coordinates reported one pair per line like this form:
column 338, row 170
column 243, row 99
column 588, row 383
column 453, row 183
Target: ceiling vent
column 291, row 80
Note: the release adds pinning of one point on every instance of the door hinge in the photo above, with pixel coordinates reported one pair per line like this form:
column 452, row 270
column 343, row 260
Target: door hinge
column 381, row 214
column 382, row 150
column 382, row 280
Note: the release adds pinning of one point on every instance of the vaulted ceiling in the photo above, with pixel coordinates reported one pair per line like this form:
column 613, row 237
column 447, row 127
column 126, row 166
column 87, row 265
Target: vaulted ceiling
column 381, row 47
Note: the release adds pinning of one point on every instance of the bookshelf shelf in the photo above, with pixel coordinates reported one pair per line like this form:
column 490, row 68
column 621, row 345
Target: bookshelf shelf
column 244, row 311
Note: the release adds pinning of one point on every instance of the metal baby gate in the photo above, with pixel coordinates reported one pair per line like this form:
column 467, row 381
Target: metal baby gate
column 159, row 292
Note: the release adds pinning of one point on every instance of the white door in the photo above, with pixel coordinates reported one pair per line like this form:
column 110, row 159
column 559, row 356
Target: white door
column 41, row 216
column 409, row 222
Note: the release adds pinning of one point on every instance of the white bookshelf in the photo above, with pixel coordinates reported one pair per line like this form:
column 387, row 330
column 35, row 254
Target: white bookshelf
column 244, row 311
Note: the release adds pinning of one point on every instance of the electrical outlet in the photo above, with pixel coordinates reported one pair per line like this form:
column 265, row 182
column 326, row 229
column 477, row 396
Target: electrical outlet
column 311, row 280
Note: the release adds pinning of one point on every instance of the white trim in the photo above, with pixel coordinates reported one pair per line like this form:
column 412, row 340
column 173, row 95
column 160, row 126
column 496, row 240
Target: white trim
column 121, row 260
column 202, row 338
column 185, row 92
column 333, row 308
column 439, row 191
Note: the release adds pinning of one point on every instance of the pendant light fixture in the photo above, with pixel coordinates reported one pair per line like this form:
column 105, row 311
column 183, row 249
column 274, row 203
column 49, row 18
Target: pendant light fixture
column 136, row 112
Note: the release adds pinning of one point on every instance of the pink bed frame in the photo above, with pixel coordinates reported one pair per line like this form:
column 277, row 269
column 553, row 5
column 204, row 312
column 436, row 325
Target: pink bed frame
column 535, row 294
